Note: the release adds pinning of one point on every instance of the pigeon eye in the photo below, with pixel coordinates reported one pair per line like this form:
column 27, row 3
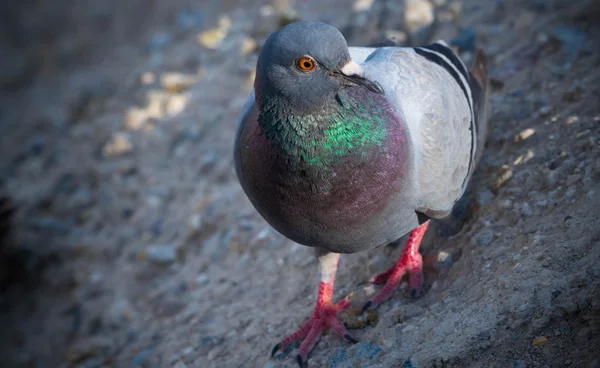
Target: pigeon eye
column 306, row 64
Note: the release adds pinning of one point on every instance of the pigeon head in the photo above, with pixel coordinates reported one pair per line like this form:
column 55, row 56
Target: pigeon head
column 306, row 63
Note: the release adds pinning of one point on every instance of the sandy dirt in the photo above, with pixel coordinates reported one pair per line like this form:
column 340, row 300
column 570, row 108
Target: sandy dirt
column 132, row 244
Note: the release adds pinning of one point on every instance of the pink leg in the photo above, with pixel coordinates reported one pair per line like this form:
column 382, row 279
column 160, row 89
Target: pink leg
column 409, row 262
column 324, row 314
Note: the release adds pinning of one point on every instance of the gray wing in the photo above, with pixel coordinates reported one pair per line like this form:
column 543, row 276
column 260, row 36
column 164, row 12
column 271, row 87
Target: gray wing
column 433, row 96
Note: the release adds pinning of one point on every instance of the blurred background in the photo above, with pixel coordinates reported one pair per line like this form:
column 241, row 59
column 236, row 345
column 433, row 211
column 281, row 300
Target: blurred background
column 126, row 241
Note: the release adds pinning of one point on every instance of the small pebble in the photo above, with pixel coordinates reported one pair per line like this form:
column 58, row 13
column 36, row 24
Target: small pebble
column 485, row 198
column 526, row 210
column 353, row 319
column 187, row 19
column 545, row 110
column 211, row 341
column 267, row 11
column 212, row 38
column 195, row 222
column 202, row 279
column 338, row 357
column 208, row 161
column 540, row 340
column 398, row 318
column 50, row 224
column 418, row 14
column 552, row 178
column 156, row 101
column 503, row 176
column 572, row 120
column 408, row 329
column 142, row 357
column 135, row 118
column 36, row 144
column 572, row 40
column 248, row 46
column 398, row 37
column 147, row 78
column 523, row 135
column 484, row 237
column 519, row 364
column 524, row 158
column 180, row 364
column 176, row 104
column 120, row 144
column 167, row 308
column 275, row 364
column 174, row 82
column 572, row 179
column 525, row 310
column 362, row 5
column 154, row 201
column 287, row 16
column 187, row 351
column 160, row 40
column 365, row 351
column 163, row 254
column 586, row 332
column 444, row 260
column 511, row 218
column 119, row 313
column 66, row 184
column 246, row 225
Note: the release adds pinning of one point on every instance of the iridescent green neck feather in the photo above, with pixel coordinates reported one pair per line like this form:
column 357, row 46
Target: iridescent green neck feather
column 341, row 128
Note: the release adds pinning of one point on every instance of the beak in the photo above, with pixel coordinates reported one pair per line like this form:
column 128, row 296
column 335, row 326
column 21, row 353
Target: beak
column 353, row 73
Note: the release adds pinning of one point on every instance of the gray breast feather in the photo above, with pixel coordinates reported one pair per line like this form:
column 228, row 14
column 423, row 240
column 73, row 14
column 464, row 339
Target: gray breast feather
column 438, row 118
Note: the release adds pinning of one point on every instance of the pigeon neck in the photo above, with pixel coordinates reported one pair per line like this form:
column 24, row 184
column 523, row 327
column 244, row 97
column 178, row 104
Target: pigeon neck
column 350, row 124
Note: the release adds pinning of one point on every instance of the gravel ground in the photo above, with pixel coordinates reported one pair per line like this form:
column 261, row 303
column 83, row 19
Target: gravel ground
column 133, row 245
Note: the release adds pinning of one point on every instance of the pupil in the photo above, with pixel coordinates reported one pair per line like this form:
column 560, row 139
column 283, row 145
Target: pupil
column 306, row 64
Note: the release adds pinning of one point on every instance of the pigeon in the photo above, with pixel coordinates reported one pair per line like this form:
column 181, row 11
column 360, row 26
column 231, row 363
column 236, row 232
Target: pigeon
column 344, row 149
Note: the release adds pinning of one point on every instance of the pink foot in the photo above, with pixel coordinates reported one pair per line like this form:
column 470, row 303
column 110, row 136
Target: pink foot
column 409, row 262
column 324, row 316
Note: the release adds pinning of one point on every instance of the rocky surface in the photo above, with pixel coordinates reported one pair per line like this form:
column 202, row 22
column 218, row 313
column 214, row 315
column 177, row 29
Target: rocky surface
column 134, row 246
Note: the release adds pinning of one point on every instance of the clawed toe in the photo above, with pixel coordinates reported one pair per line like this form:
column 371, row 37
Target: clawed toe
column 415, row 293
column 302, row 362
column 367, row 305
column 275, row 349
column 311, row 331
column 350, row 338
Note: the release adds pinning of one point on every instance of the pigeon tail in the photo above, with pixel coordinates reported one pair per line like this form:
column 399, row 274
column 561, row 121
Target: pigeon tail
column 480, row 90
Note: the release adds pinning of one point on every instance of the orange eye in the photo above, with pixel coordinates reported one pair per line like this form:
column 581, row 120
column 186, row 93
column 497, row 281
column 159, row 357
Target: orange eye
column 305, row 63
